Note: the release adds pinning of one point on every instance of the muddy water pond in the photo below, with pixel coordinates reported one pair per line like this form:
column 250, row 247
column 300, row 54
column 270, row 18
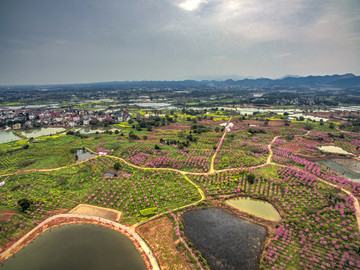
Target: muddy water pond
column 255, row 207
column 42, row 132
column 78, row 246
column 224, row 240
column 344, row 170
column 83, row 155
column 8, row 136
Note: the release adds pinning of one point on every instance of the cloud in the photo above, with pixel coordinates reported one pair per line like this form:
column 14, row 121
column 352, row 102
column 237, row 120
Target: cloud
column 172, row 39
column 191, row 5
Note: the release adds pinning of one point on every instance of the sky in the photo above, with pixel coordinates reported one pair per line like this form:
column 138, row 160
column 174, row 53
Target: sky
column 74, row 41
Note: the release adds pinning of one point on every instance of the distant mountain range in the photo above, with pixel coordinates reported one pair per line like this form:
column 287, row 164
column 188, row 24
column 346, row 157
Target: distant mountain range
column 292, row 81
column 341, row 81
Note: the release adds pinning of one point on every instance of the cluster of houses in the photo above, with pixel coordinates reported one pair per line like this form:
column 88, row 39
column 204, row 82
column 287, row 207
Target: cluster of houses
column 296, row 101
column 28, row 118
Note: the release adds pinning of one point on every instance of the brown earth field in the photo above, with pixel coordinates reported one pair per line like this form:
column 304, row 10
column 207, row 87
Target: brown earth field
column 174, row 126
column 273, row 123
column 6, row 214
column 90, row 210
column 159, row 235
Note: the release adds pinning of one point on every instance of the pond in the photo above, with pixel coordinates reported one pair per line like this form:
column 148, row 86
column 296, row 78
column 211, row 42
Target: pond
column 224, row 240
column 333, row 149
column 42, row 132
column 312, row 118
column 78, row 246
column 8, row 136
column 151, row 104
column 341, row 168
column 92, row 130
column 83, row 155
column 255, row 207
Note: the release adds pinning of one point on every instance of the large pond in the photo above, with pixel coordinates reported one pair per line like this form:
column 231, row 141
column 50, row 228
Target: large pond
column 8, row 136
column 83, row 155
column 78, row 246
column 224, row 240
column 343, row 169
column 42, row 132
column 255, row 207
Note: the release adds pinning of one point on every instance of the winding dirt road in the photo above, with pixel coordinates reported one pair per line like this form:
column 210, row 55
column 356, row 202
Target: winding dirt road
column 211, row 171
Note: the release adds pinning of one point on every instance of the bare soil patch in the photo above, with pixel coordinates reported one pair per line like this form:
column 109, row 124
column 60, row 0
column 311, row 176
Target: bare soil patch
column 174, row 126
column 159, row 236
column 119, row 173
column 90, row 210
column 6, row 214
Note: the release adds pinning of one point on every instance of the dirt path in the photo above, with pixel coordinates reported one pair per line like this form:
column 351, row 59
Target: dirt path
column 202, row 194
column 185, row 173
column 143, row 246
column 212, row 170
column 268, row 161
column 49, row 170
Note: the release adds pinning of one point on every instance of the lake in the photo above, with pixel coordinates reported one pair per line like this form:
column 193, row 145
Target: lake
column 255, row 207
column 78, row 246
column 8, row 136
column 224, row 240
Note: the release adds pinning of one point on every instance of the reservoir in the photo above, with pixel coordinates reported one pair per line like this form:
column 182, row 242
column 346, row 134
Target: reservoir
column 78, row 246
column 255, row 207
column 224, row 240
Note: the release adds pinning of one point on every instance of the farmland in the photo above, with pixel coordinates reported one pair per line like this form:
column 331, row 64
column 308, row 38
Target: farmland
column 152, row 174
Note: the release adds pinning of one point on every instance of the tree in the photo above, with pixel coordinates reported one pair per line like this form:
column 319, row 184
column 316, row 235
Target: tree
column 157, row 147
column 133, row 136
column 117, row 166
column 217, row 129
column 24, row 204
column 250, row 178
column 331, row 125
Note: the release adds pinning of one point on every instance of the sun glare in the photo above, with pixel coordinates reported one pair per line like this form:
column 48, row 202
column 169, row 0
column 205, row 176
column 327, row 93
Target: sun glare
column 191, row 5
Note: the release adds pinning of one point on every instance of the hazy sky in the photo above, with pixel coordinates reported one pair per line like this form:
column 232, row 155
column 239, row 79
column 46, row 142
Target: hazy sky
column 63, row 41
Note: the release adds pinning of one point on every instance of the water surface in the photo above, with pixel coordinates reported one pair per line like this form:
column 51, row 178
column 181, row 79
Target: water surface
column 78, row 246
column 8, row 136
column 224, row 240
column 340, row 168
column 42, row 132
column 255, row 207
column 83, row 155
